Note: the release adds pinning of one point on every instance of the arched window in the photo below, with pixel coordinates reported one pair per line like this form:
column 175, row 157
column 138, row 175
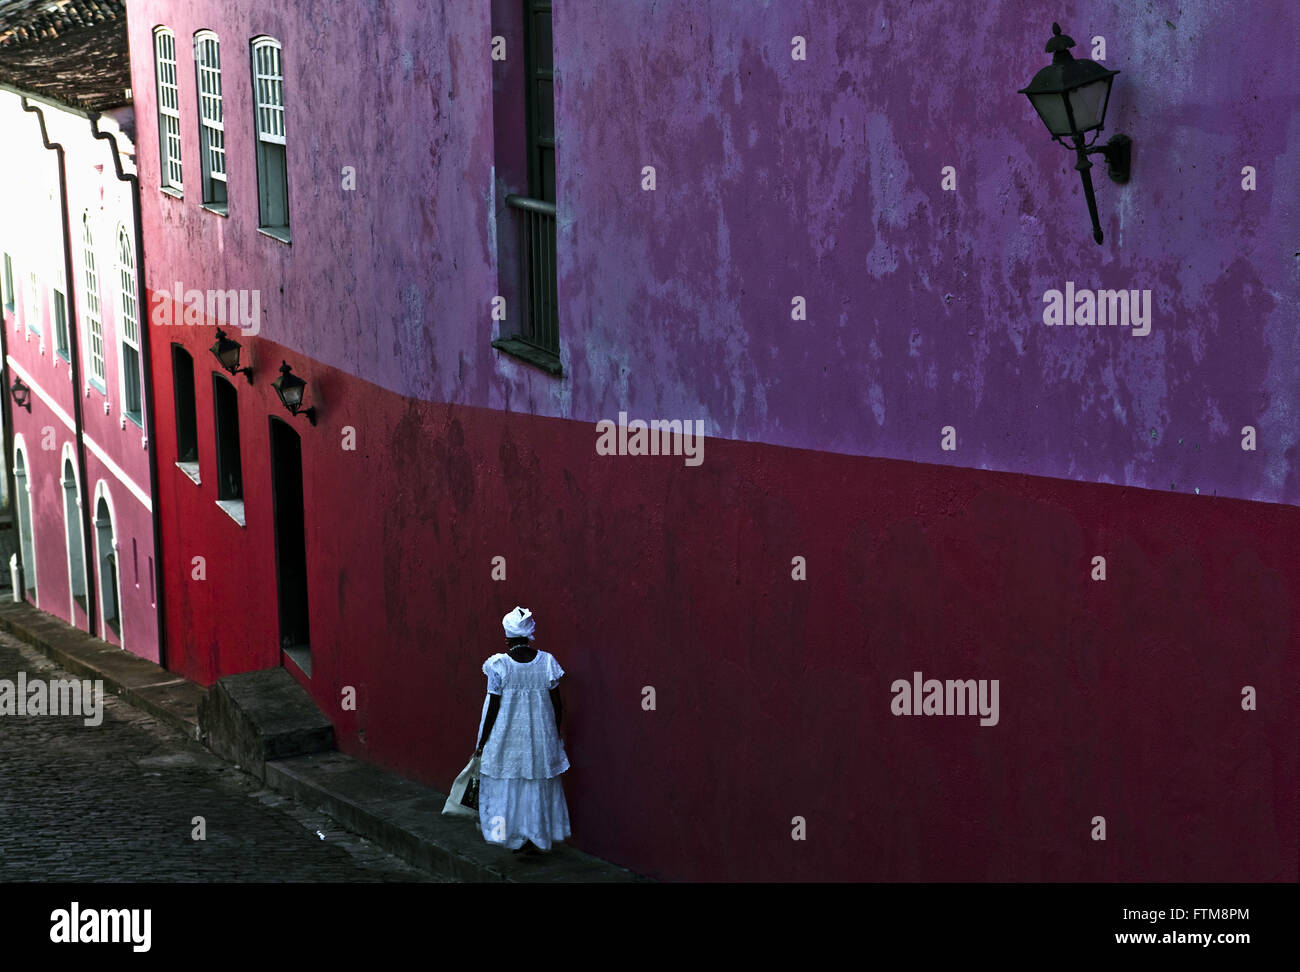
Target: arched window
column 272, row 159
column 169, row 107
column 94, row 329
column 187, row 429
column 127, row 303
column 212, row 132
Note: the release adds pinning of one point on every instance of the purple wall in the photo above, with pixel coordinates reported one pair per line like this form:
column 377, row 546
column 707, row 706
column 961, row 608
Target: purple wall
column 779, row 178
column 822, row 178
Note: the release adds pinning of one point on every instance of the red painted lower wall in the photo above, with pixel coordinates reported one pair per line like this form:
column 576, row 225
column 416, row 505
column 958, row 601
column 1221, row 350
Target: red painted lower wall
column 1118, row 698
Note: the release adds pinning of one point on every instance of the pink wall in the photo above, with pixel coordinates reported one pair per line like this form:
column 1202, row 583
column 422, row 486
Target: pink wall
column 34, row 237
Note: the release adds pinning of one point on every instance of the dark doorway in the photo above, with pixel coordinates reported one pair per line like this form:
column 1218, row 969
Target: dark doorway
column 106, row 545
column 290, row 543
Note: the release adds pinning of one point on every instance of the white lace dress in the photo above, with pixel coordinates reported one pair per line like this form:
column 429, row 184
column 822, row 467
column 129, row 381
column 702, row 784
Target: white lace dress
column 520, row 794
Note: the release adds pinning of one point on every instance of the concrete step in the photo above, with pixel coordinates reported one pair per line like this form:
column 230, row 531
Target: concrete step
column 406, row 819
column 255, row 717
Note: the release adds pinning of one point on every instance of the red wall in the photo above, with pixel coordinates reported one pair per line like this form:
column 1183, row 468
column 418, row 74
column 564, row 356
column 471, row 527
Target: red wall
column 1118, row 698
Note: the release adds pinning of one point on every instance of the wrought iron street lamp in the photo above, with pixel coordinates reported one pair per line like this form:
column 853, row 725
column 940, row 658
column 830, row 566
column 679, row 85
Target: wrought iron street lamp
column 1071, row 97
column 290, row 388
column 22, row 394
column 227, row 352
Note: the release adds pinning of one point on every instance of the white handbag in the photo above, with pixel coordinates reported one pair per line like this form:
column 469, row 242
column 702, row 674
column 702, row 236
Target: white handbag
column 466, row 786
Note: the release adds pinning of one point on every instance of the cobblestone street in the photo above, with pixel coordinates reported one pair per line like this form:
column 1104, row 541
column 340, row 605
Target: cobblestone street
column 115, row 802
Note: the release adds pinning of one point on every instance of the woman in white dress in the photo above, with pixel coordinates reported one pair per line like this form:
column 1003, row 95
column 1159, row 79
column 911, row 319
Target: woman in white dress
column 521, row 799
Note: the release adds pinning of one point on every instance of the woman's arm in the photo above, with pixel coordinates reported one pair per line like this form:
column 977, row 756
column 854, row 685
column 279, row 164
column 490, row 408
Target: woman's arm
column 557, row 704
column 494, row 706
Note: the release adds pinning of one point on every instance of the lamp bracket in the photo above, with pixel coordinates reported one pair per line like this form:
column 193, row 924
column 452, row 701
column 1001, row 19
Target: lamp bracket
column 1118, row 153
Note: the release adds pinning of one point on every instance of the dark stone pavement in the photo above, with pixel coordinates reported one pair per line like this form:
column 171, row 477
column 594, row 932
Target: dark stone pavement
column 116, row 803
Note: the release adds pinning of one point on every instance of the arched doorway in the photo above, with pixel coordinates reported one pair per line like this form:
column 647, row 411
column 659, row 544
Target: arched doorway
column 72, row 532
column 106, row 555
column 26, row 537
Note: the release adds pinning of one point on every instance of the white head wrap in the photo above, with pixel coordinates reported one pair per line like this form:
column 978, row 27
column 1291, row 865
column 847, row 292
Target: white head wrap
column 519, row 623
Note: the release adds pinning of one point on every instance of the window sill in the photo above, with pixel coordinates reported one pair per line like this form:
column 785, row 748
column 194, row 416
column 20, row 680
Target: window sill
column 190, row 469
column 301, row 656
column 94, row 383
column 220, row 209
column 169, row 191
column 64, row 355
column 234, row 509
column 533, row 355
column 280, row 233
column 136, row 419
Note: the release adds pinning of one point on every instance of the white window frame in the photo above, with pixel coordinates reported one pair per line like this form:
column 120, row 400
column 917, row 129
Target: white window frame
column 212, row 131
column 33, row 303
column 61, row 339
column 90, row 308
column 169, row 108
column 7, row 284
column 269, row 130
column 128, row 321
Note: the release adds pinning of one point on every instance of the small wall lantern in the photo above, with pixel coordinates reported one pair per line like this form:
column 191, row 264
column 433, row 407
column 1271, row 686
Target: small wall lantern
column 227, row 352
column 1071, row 97
column 22, row 394
column 290, row 388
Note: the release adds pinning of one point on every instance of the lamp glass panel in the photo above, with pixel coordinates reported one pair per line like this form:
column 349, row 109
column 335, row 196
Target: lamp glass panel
column 291, row 393
column 1051, row 109
column 1089, row 103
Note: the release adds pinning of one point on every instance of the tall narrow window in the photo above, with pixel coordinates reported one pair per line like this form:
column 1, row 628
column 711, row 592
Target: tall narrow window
column 187, row 432
column 272, row 160
column 169, row 107
column 8, row 283
column 539, row 338
column 212, row 133
column 541, row 100
column 131, row 402
column 230, row 477
column 60, row 311
column 33, row 303
column 94, row 327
